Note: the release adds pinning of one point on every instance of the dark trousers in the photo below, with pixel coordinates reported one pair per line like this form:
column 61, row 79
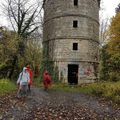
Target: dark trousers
column 29, row 87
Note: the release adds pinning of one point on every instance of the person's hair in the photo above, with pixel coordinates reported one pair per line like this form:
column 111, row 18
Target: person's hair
column 27, row 65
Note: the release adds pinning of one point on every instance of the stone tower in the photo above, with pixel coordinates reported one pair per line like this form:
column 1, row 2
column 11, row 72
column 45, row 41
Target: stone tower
column 71, row 35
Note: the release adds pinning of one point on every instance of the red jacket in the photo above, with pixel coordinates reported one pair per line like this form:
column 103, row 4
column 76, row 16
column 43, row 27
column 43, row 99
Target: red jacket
column 30, row 74
column 46, row 77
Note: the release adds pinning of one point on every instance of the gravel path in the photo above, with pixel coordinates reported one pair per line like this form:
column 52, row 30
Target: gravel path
column 56, row 105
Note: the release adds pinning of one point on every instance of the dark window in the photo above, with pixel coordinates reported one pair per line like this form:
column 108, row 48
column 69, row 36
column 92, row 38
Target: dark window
column 75, row 23
column 75, row 2
column 75, row 46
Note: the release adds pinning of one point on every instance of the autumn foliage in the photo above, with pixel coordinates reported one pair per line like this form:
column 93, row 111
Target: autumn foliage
column 111, row 51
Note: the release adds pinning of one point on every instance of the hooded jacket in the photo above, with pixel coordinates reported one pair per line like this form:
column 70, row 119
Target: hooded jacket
column 23, row 77
column 46, row 76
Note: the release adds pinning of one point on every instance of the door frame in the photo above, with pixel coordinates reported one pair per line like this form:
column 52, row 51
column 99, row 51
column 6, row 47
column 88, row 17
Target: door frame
column 73, row 73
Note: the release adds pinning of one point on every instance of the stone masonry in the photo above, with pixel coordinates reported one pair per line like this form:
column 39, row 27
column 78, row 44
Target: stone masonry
column 69, row 24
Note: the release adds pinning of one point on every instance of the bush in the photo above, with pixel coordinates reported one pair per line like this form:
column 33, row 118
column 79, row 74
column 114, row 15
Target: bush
column 109, row 90
column 114, row 76
column 6, row 86
column 98, row 89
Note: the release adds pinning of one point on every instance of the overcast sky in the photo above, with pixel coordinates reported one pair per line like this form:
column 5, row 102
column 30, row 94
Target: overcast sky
column 109, row 7
column 108, row 11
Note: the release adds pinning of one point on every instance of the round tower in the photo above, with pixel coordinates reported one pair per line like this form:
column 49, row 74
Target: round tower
column 71, row 34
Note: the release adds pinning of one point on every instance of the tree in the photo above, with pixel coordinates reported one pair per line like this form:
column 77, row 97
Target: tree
column 113, row 48
column 23, row 17
column 104, row 63
column 114, row 35
column 110, row 52
column 8, row 48
column 33, row 54
column 103, row 34
column 118, row 8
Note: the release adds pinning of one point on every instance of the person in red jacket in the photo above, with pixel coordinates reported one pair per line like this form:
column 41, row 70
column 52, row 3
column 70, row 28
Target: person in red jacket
column 46, row 79
column 31, row 77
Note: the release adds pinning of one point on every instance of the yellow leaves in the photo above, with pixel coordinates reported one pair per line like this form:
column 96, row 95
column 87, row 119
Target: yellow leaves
column 115, row 24
column 114, row 35
column 114, row 46
column 8, row 45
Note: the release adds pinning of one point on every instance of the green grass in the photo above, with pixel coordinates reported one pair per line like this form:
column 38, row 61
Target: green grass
column 71, row 88
column 6, row 86
column 108, row 90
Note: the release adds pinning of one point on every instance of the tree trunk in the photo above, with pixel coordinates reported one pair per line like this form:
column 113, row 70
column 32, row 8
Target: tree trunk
column 13, row 66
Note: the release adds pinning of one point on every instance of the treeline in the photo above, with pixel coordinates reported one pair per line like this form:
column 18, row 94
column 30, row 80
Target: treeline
column 110, row 51
column 22, row 44
column 10, row 48
column 16, row 52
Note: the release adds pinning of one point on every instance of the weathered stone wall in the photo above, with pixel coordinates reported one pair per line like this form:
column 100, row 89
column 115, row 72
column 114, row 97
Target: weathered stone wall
column 60, row 35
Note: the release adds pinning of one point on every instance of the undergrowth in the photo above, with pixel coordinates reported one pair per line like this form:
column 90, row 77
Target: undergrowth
column 6, row 86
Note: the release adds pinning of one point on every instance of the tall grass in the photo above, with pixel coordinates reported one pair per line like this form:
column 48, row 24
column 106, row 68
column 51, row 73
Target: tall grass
column 6, row 86
column 109, row 90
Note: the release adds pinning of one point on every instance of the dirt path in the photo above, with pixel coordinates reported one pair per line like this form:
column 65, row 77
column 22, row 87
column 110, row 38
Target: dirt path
column 56, row 105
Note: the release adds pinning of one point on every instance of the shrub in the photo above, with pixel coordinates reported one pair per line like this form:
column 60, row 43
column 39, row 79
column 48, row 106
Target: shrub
column 109, row 90
column 6, row 86
column 114, row 76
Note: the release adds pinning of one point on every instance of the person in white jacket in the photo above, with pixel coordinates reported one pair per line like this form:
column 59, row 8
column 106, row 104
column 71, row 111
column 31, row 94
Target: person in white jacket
column 23, row 82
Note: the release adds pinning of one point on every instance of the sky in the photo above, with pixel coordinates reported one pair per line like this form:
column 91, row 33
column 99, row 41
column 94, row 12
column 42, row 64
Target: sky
column 108, row 10
column 108, row 7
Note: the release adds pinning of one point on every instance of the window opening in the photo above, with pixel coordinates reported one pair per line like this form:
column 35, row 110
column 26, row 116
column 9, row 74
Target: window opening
column 75, row 23
column 75, row 46
column 75, row 2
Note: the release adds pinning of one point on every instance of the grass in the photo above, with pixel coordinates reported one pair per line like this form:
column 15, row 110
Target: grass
column 108, row 90
column 6, row 86
column 71, row 88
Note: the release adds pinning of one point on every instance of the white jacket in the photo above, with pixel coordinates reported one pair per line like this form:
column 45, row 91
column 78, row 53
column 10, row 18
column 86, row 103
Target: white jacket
column 23, row 77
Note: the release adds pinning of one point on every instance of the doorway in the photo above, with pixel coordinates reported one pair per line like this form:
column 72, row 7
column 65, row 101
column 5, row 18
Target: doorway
column 72, row 74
